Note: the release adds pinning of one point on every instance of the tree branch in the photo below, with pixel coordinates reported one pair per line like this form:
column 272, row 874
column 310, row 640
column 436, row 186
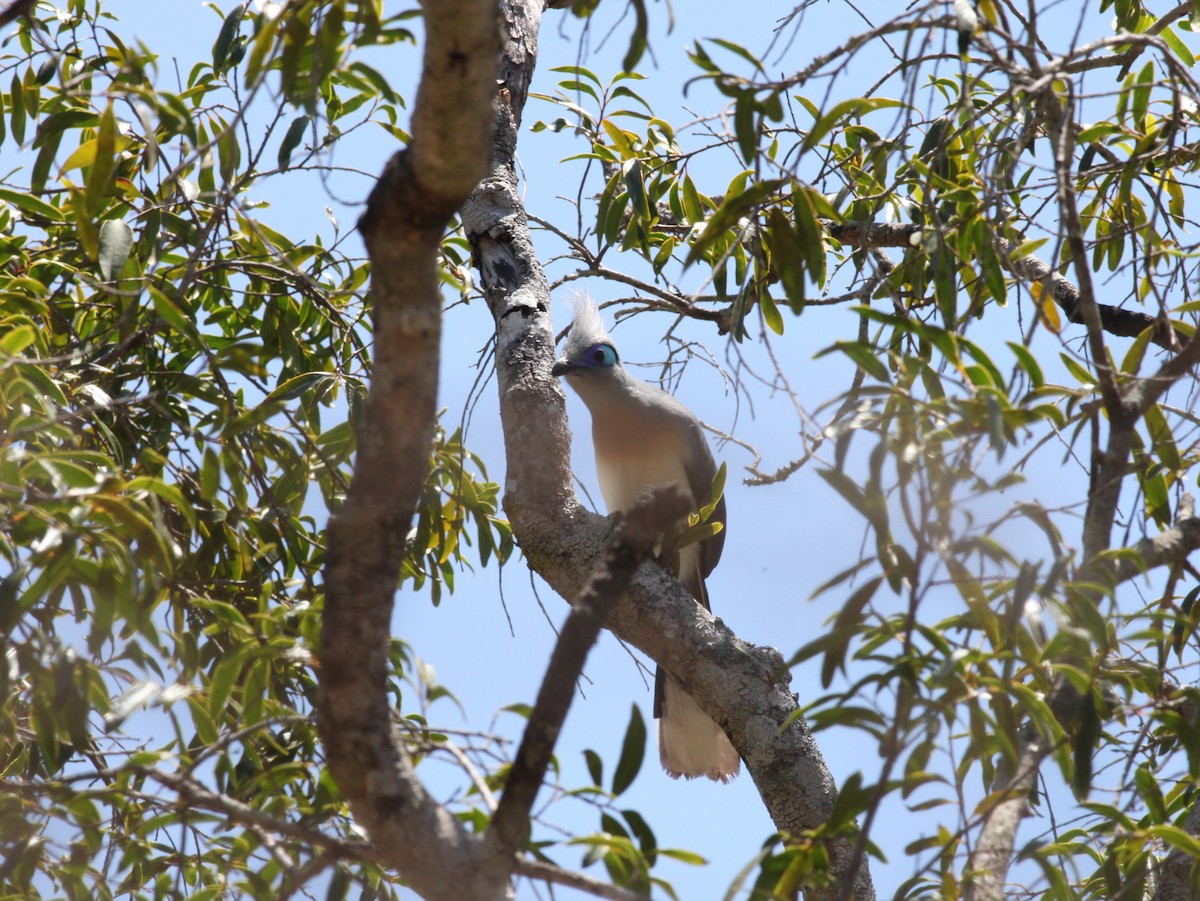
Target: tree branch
column 633, row 539
column 1114, row 320
column 407, row 213
column 196, row 795
column 536, row 869
column 17, row 9
column 743, row 686
column 1165, row 549
column 1175, row 870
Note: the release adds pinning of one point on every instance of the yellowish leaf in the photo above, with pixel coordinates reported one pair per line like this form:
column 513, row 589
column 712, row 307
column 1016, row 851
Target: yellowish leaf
column 1049, row 309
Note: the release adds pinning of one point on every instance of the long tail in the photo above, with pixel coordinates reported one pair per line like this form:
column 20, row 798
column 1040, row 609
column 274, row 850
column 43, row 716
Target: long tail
column 690, row 743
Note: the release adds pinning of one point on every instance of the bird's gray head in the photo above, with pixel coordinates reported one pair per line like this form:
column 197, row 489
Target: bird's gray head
column 588, row 348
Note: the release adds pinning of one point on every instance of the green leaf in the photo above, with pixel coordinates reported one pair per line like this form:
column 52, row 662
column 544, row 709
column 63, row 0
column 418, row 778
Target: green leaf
column 99, row 181
column 224, row 676
column 82, row 157
column 1178, row 47
column 292, row 139
column 595, row 766
column 1158, row 498
column 229, row 153
column 808, row 207
column 1162, row 440
column 229, row 31
column 854, row 108
column 849, row 617
column 865, row 355
column 32, row 206
column 167, row 492
column 870, row 505
column 643, row 833
column 692, row 205
column 1186, row 623
column 736, row 206
column 633, row 749
column 745, row 126
column 636, row 186
column 771, row 314
column 63, row 121
column 1178, row 838
column 45, row 159
column 297, row 386
column 579, row 72
column 852, row 799
column 17, row 339
column 1029, row 363
column 688, row 857
column 716, row 490
column 210, row 474
column 1151, row 793
column 1087, row 734
column 1077, row 370
column 788, row 260
column 17, row 110
column 637, row 41
column 174, row 317
column 1141, row 96
column 741, row 51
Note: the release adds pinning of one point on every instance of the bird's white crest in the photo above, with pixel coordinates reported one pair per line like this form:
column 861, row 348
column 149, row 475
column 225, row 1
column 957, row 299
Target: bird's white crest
column 587, row 328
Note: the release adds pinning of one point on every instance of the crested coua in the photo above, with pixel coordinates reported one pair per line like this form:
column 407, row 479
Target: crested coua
column 644, row 438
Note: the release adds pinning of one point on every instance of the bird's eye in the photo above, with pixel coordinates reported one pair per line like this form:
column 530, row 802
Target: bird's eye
column 602, row 355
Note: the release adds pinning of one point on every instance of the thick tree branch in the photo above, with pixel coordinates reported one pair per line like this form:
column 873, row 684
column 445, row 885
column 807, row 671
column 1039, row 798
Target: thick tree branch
column 1165, row 549
column 1143, row 393
column 15, row 10
column 1109, row 467
column 743, row 686
column 1175, row 870
column 406, row 216
column 633, row 540
column 1030, row 269
column 987, row 868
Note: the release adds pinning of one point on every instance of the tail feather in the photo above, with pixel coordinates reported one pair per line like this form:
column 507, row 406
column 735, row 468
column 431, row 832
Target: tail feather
column 690, row 743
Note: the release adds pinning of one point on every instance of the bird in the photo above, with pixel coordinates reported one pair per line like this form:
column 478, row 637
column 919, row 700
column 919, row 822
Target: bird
column 966, row 23
column 644, row 438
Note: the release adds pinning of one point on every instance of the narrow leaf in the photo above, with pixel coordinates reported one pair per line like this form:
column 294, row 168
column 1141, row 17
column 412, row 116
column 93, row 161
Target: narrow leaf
column 291, row 140
column 633, row 750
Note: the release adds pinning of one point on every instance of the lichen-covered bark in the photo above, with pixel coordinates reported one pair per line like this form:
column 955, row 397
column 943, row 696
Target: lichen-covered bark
column 743, row 686
column 406, row 216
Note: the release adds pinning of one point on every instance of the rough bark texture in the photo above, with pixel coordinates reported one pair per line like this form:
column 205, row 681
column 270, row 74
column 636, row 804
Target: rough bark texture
column 744, row 687
column 1175, row 871
column 406, row 216
column 631, row 543
column 1165, row 549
